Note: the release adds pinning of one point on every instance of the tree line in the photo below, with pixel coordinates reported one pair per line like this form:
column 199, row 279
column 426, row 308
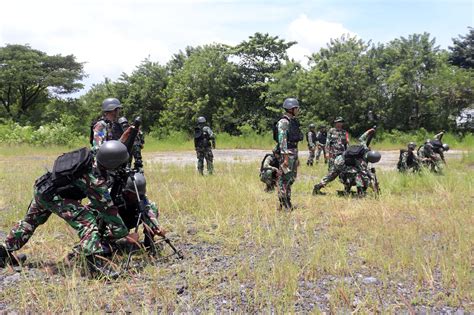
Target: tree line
column 406, row 84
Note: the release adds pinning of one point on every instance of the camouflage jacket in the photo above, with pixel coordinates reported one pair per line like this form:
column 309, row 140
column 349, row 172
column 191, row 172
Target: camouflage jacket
column 337, row 141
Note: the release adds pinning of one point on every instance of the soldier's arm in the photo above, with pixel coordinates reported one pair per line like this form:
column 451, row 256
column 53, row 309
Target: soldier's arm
column 212, row 136
column 439, row 136
column 283, row 126
column 328, row 140
column 311, row 140
column 100, row 130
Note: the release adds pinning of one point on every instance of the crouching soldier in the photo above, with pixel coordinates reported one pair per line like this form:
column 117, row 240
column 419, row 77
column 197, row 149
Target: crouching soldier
column 133, row 202
column 269, row 169
column 408, row 159
column 61, row 192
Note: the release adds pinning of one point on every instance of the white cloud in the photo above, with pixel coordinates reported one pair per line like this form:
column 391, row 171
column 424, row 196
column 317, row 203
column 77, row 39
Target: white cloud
column 312, row 35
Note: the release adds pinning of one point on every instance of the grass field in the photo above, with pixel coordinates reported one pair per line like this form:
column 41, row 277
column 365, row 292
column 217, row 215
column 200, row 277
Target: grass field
column 409, row 250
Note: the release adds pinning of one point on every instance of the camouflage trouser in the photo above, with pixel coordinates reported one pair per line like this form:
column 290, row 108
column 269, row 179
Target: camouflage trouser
column 311, row 156
column 72, row 211
column 286, row 180
column 268, row 176
column 330, row 176
column 321, row 148
column 205, row 153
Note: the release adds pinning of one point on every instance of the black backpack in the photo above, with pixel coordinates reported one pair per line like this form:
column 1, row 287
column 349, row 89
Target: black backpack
column 353, row 153
column 67, row 168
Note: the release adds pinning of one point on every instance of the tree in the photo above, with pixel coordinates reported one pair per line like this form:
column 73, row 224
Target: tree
column 29, row 77
column 462, row 51
column 202, row 87
column 257, row 59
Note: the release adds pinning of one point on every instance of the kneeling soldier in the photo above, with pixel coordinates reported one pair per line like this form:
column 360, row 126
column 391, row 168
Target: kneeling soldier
column 269, row 169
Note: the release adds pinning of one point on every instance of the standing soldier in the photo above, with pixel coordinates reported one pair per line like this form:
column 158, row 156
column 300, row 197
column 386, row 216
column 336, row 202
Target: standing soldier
column 137, row 146
column 288, row 134
column 204, row 142
column 311, row 138
column 321, row 137
column 106, row 128
column 337, row 141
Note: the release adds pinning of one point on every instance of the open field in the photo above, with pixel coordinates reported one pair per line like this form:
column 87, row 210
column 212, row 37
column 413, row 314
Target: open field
column 409, row 250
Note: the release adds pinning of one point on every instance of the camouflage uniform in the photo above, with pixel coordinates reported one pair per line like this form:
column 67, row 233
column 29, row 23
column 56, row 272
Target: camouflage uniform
column 429, row 158
column 203, row 148
column 339, row 167
column 311, row 136
column 408, row 160
column 336, row 143
column 268, row 172
column 104, row 130
column 81, row 218
column 321, row 137
column 288, row 175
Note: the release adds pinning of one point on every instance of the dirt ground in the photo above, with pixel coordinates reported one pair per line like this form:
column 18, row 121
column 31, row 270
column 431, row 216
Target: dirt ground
column 388, row 161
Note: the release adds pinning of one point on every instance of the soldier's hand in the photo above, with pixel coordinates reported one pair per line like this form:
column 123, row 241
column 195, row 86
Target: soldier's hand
column 132, row 237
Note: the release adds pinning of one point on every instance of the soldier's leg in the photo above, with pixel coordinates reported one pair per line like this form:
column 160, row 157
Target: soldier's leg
column 285, row 182
column 318, row 153
column 200, row 163
column 331, row 175
column 23, row 230
column 310, row 157
column 84, row 222
column 325, row 154
column 331, row 163
column 209, row 161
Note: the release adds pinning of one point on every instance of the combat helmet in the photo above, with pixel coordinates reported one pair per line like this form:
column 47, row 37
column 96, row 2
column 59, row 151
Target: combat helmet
column 312, row 126
column 112, row 154
column 290, row 103
column 339, row 119
column 140, row 181
column 373, row 156
column 110, row 104
column 201, row 120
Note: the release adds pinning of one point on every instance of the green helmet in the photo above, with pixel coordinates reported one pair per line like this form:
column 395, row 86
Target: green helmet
column 112, row 154
column 412, row 145
column 312, row 126
column 110, row 104
column 339, row 119
column 201, row 120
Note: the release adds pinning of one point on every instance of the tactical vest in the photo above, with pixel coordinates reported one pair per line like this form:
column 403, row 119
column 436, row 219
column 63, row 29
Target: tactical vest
column 313, row 136
column 201, row 138
column 113, row 130
column 322, row 137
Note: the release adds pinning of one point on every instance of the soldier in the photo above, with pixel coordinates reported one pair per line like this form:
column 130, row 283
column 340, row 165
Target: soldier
column 431, row 154
column 269, row 169
column 106, row 127
column 137, row 146
column 337, row 141
column 61, row 192
column 288, row 134
column 129, row 209
column 340, row 163
column 321, row 138
column 408, row 159
column 204, row 142
column 311, row 138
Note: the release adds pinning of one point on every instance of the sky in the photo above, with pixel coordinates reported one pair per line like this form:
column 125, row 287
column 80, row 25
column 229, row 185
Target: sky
column 114, row 36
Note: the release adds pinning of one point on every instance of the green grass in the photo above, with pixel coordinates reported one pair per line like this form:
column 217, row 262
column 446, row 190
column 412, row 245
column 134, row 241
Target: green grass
column 418, row 234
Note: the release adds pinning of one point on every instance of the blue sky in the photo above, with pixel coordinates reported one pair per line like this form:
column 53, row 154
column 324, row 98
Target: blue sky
column 113, row 36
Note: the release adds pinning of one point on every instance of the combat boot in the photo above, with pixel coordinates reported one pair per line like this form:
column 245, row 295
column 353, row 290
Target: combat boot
column 317, row 190
column 7, row 258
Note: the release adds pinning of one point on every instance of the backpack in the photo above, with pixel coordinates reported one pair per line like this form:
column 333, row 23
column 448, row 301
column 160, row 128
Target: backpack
column 69, row 167
column 353, row 153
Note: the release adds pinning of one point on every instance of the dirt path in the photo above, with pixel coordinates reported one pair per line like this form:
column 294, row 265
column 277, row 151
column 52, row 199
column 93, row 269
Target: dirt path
column 389, row 158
